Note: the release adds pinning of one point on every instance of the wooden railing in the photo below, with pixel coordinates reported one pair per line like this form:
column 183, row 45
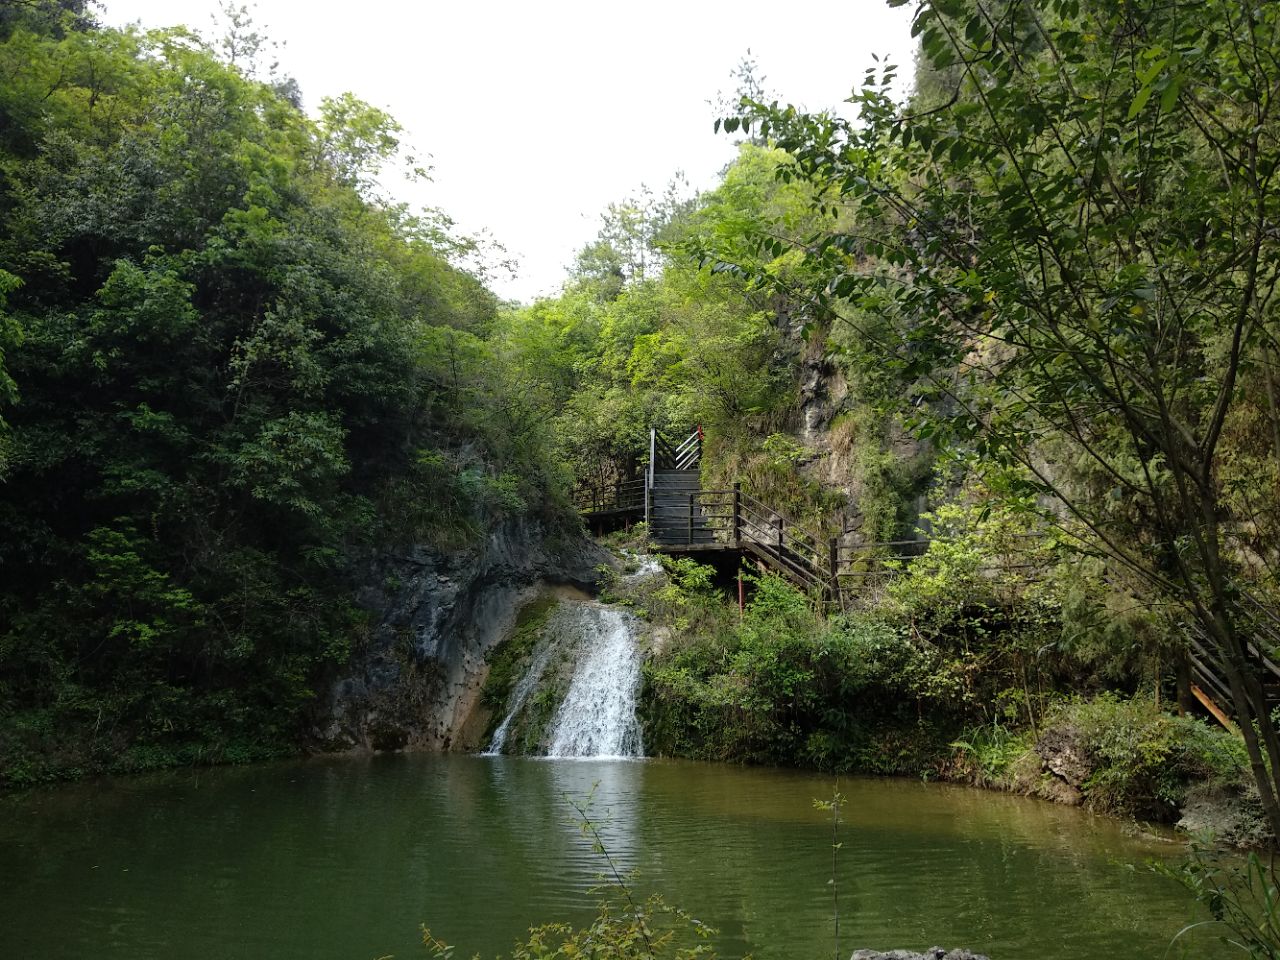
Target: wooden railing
column 796, row 551
column 689, row 452
column 822, row 566
column 1210, row 678
column 840, row 573
column 667, row 455
column 621, row 495
column 733, row 518
column 626, row 495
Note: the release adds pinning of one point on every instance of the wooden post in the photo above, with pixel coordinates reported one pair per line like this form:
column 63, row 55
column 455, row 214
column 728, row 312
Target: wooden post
column 833, row 558
column 779, row 533
column 742, row 596
column 737, row 521
column 648, row 481
column 691, row 518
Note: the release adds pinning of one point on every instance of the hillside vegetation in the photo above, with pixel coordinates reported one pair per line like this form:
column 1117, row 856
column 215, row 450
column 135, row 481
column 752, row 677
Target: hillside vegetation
column 1035, row 301
column 228, row 368
column 1024, row 319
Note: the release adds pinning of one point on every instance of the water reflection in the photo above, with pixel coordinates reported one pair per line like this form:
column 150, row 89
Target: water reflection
column 609, row 792
column 345, row 858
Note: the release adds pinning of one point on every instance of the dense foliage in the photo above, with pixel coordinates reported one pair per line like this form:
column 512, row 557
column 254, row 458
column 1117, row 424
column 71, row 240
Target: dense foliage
column 1026, row 316
column 229, row 371
column 969, row 682
column 1067, row 243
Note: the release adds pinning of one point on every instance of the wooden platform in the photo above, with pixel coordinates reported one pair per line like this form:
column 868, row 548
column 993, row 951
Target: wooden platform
column 684, row 548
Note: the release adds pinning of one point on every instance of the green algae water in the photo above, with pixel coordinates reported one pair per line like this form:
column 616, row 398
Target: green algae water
column 346, row 858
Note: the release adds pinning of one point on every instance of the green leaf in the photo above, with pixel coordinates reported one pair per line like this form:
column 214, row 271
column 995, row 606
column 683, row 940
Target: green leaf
column 1140, row 101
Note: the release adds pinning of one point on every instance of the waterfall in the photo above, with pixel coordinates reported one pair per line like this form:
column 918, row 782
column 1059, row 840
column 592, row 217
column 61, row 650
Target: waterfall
column 598, row 715
column 519, row 697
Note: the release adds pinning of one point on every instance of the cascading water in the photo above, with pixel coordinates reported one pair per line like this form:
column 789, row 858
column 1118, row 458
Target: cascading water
column 519, row 697
column 598, row 715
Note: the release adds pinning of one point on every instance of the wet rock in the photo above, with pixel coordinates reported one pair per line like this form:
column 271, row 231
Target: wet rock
column 933, row 953
column 414, row 680
column 659, row 640
column 1058, row 791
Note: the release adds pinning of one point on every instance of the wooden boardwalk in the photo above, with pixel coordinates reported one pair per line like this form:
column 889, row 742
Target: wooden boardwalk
column 684, row 519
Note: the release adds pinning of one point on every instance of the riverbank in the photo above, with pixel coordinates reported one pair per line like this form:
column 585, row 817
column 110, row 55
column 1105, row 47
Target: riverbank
column 983, row 698
column 409, row 675
column 979, row 699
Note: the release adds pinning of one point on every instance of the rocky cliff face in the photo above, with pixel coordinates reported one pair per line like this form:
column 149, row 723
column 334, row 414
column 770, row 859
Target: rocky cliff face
column 416, row 678
column 878, row 466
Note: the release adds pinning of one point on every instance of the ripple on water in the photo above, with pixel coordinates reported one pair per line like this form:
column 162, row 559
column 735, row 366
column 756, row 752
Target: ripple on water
column 346, row 857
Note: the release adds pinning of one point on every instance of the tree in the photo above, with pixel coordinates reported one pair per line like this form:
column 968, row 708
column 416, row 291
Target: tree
column 54, row 16
column 1077, row 248
column 227, row 370
column 628, row 247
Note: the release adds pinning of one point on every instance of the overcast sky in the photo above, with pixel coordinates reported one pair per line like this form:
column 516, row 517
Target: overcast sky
column 538, row 114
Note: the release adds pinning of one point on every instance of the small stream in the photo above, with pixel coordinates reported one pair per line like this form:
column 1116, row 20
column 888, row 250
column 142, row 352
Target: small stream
column 598, row 715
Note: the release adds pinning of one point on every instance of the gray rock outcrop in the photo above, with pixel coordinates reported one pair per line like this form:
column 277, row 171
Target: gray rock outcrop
column 1063, row 755
column 1228, row 814
column 415, row 679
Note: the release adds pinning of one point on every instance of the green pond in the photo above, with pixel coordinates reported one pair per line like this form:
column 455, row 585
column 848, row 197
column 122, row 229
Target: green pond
column 346, row 858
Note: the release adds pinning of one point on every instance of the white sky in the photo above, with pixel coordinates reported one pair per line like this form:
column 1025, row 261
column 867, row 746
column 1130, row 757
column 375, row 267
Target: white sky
column 538, row 114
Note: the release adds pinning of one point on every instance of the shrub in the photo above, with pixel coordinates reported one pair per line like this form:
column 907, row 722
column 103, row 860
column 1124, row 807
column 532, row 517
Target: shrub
column 1144, row 760
column 651, row 930
column 988, row 754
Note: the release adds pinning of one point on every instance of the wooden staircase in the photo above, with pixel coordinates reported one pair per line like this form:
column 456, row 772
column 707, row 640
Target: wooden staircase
column 675, row 514
column 683, row 518
column 1209, row 682
column 673, row 492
